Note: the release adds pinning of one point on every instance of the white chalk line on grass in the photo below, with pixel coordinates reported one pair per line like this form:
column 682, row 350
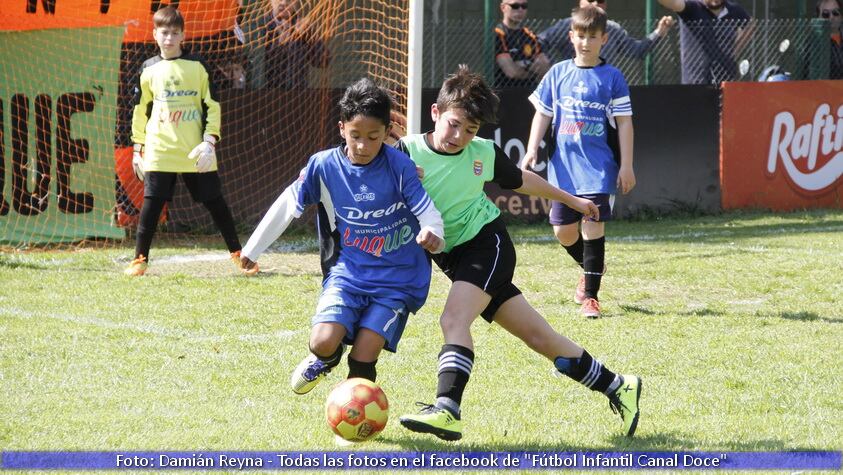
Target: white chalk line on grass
column 689, row 234
column 147, row 328
column 280, row 247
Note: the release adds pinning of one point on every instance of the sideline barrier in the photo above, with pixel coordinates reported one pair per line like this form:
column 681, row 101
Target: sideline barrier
column 782, row 145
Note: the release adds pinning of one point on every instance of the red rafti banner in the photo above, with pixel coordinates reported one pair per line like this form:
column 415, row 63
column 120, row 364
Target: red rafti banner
column 782, row 145
column 202, row 17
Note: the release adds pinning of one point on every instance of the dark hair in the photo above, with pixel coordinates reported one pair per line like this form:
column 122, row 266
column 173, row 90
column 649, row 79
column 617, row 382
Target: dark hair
column 366, row 98
column 168, row 17
column 590, row 18
column 468, row 91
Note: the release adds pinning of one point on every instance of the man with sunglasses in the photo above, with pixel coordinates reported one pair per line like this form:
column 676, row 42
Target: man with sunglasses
column 557, row 44
column 830, row 10
column 519, row 60
column 711, row 34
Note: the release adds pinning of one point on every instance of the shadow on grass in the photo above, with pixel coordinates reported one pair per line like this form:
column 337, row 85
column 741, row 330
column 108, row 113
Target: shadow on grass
column 670, row 441
column 808, row 317
column 702, row 312
column 14, row 264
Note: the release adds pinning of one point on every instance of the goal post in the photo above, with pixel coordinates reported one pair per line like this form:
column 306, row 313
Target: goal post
column 414, row 66
column 66, row 102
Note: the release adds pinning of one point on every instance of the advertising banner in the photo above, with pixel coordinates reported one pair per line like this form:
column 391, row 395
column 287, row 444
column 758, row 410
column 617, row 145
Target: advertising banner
column 56, row 135
column 782, row 145
column 202, row 17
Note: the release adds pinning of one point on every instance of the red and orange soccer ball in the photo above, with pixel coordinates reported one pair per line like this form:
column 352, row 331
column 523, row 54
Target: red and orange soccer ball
column 357, row 409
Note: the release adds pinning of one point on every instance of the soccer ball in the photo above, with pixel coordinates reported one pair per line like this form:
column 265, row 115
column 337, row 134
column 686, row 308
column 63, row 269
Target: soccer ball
column 357, row 409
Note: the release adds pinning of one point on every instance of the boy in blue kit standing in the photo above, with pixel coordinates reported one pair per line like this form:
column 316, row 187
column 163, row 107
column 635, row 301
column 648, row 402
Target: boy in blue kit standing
column 371, row 209
column 479, row 258
column 175, row 127
column 585, row 99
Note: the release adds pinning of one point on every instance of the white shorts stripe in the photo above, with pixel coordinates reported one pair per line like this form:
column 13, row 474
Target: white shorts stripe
column 495, row 264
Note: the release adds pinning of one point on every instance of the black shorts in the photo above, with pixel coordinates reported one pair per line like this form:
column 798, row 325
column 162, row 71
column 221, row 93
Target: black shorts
column 486, row 261
column 203, row 187
column 561, row 214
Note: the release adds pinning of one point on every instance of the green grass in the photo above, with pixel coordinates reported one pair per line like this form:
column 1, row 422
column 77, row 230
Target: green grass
column 734, row 322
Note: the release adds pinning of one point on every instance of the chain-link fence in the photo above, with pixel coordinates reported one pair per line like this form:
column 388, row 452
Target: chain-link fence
column 690, row 54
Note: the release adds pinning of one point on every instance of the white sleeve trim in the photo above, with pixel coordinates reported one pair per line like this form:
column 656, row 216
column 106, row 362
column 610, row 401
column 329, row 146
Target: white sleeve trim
column 540, row 107
column 273, row 224
column 621, row 106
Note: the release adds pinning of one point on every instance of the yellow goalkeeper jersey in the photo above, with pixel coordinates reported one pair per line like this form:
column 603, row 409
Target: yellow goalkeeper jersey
column 174, row 107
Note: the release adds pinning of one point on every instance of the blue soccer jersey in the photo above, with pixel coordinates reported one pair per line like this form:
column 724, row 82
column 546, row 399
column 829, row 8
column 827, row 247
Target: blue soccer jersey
column 583, row 103
column 367, row 224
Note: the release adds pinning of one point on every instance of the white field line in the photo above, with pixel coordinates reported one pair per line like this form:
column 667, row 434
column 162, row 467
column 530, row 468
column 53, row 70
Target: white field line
column 147, row 328
column 685, row 235
column 279, row 247
column 183, row 259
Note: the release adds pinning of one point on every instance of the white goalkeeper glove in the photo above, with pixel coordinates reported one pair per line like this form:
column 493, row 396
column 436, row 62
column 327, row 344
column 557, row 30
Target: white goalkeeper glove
column 137, row 160
column 205, row 154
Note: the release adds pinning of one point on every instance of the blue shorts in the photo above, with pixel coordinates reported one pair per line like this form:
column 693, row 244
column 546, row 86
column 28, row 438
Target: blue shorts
column 385, row 317
column 561, row 214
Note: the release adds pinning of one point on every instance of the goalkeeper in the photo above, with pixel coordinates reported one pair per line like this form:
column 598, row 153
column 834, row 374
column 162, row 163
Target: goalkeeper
column 175, row 128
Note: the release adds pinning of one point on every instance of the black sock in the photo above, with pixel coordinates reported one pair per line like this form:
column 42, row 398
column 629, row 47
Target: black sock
column 455, row 363
column 594, row 256
column 147, row 224
column 224, row 221
column 360, row 369
column 587, row 371
column 576, row 250
column 332, row 360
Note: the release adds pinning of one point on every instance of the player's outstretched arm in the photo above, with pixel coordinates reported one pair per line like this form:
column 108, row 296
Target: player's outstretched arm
column 537, row 186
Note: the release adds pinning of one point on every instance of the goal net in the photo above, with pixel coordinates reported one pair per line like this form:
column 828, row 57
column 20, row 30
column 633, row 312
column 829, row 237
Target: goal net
column 69, row 68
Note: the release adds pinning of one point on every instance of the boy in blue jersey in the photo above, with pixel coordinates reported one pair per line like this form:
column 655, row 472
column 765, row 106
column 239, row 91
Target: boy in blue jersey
column 587, row 100
column 479, row 257
column 375, row 222
column 175, row 126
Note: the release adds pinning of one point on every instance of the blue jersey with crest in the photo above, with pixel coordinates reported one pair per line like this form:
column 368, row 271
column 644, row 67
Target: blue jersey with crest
column 583, row 102
column 367, row 223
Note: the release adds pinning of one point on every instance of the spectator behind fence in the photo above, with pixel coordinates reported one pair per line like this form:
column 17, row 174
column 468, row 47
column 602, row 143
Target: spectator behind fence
column 711, row 34
column 233, row 68
column 293, row 46
column 519, row 60
column 557, row 44
column 830, row 10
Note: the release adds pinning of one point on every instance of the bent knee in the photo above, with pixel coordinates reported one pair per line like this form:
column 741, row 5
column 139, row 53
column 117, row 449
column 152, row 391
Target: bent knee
column 566, row 235
column 452, row 322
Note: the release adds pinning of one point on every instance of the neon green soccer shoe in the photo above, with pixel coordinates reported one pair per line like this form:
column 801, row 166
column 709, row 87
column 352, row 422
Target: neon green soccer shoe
column 624, row 401
column 434, row 420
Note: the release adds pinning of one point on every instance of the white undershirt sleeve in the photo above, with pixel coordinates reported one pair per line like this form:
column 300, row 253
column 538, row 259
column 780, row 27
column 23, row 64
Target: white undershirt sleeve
column 273, row 224
column 431, row 220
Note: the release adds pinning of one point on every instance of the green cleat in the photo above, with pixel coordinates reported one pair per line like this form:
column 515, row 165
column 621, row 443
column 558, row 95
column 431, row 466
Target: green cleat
column 434, row 420
column 624, row 401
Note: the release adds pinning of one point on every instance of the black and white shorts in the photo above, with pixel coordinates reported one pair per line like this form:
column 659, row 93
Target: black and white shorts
column 202, row 186
column 486, row 261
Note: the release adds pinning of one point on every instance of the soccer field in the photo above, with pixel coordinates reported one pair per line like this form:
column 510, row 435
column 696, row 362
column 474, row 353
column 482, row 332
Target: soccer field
column 734, row 322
